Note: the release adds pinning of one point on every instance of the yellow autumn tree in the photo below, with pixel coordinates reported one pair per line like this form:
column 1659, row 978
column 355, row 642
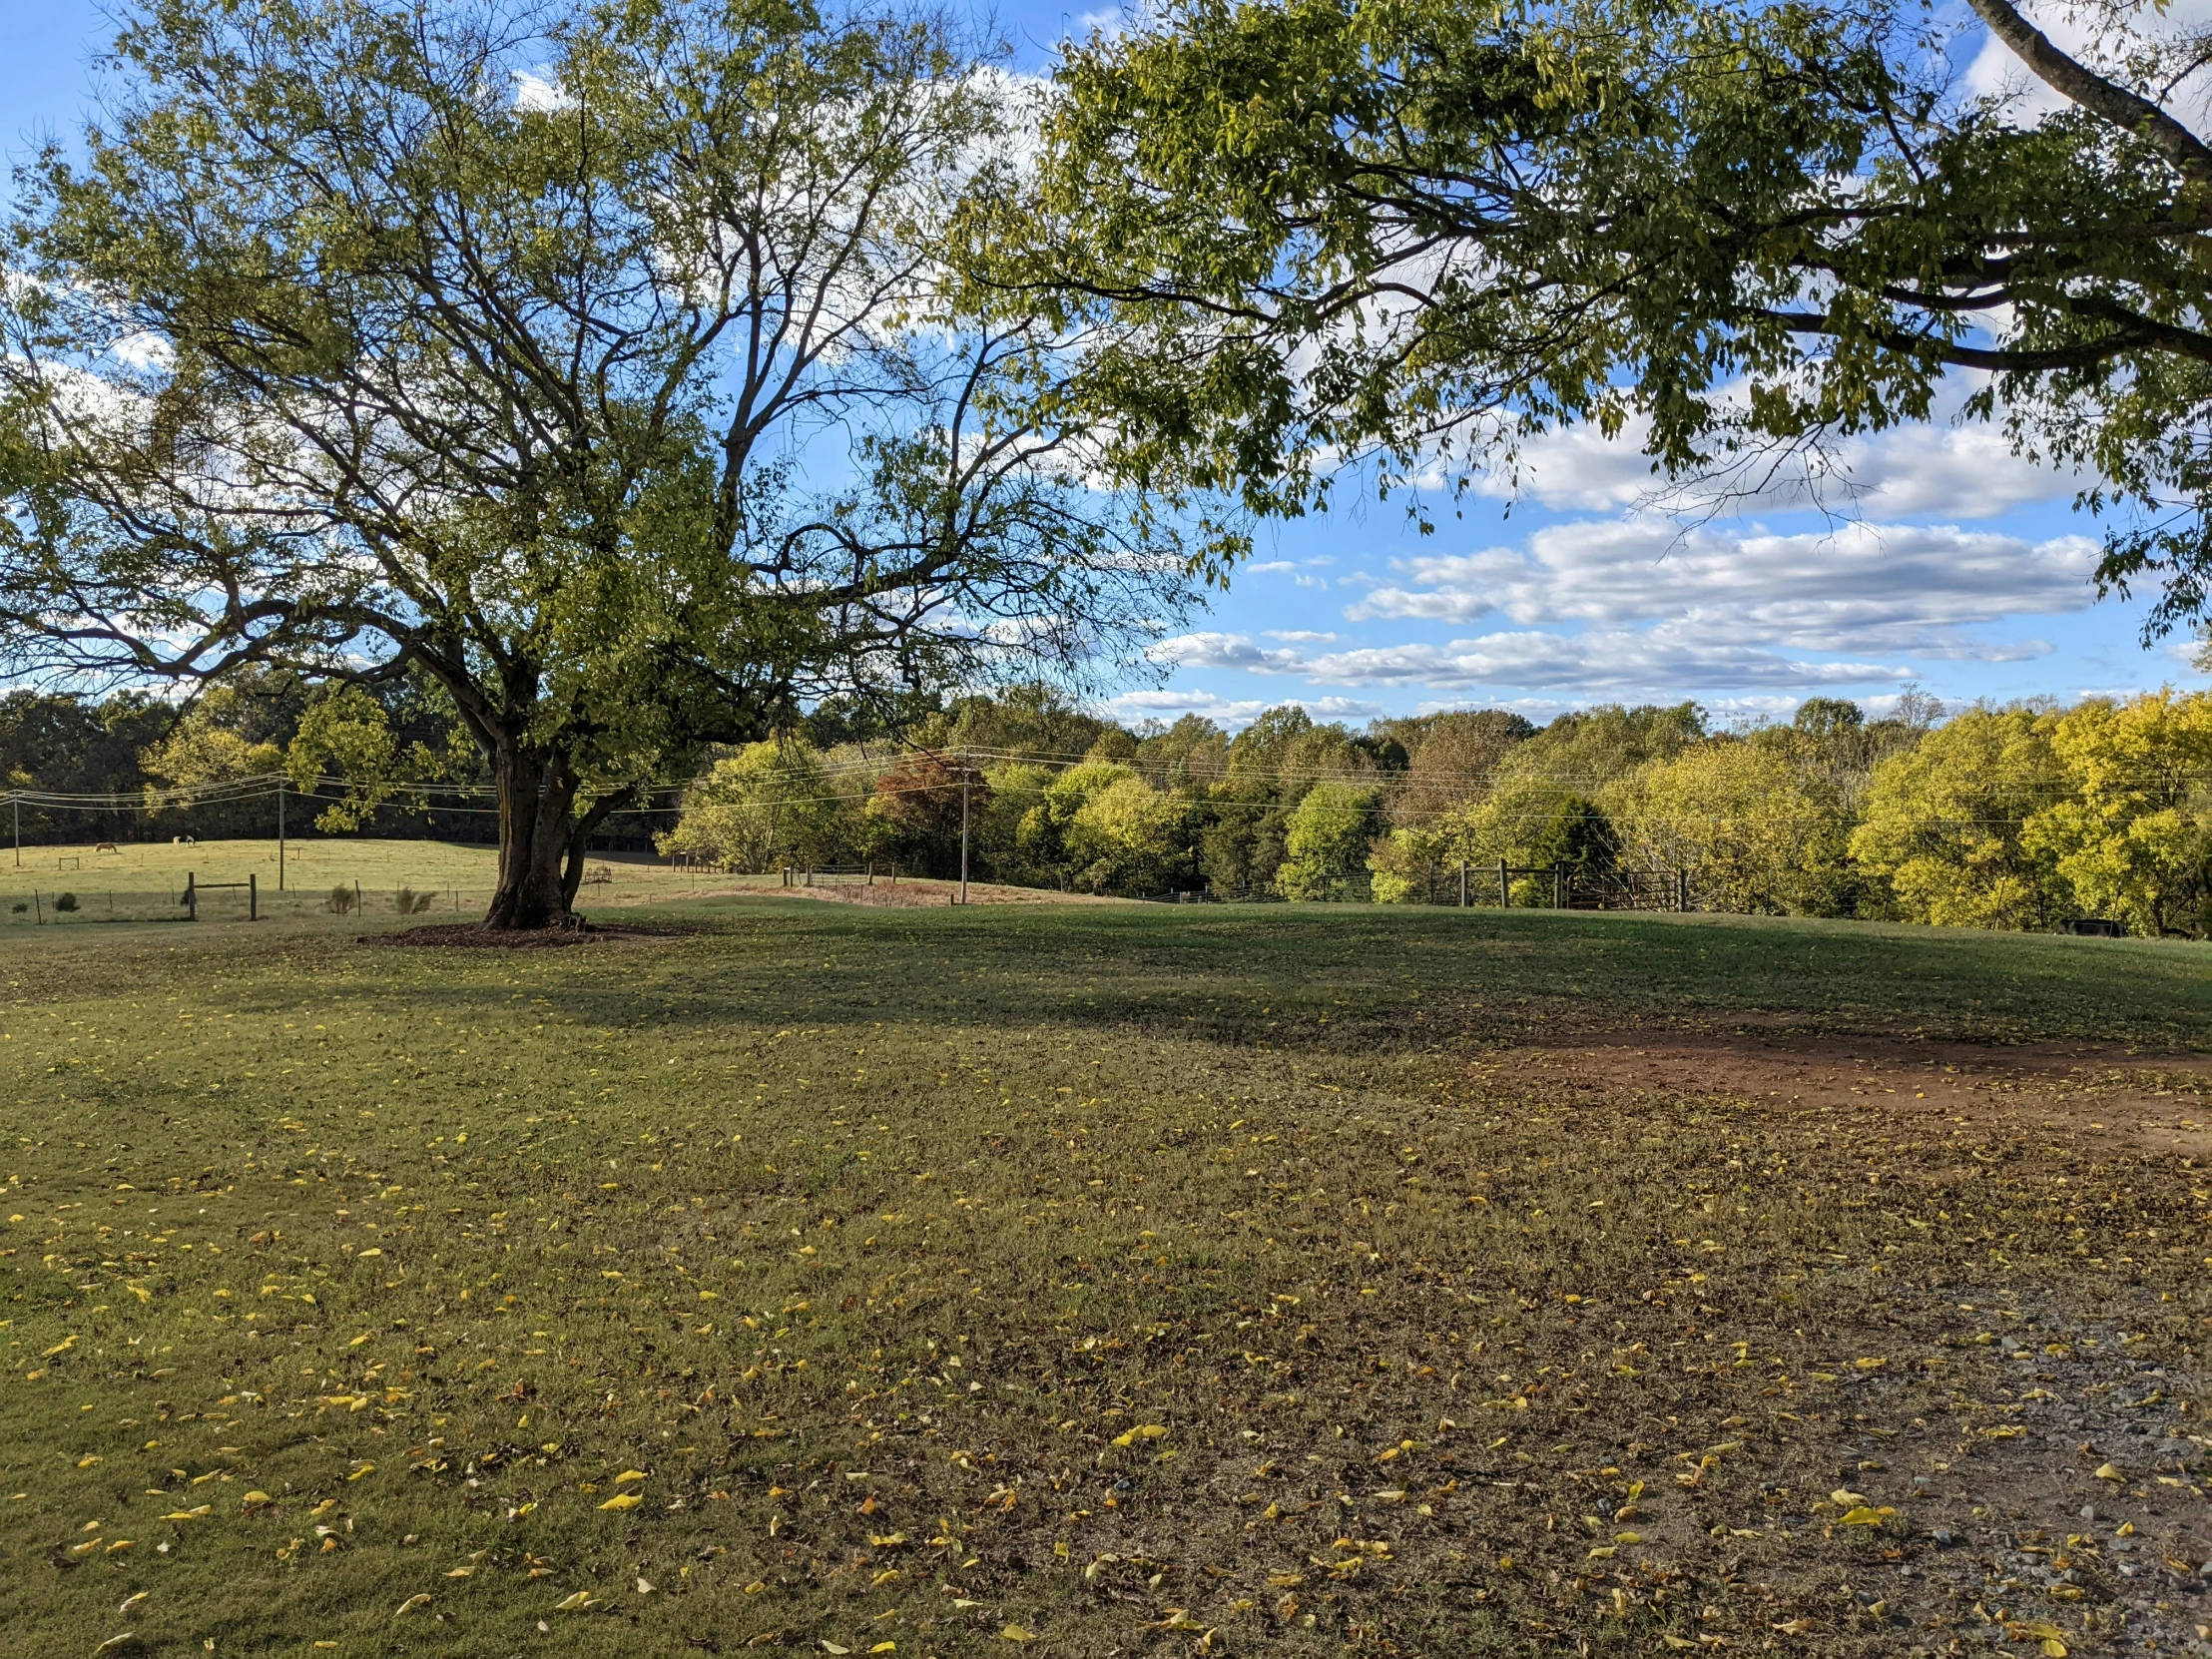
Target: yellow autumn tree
column 770, row 803
column 1756, row 833
column 2133, row 839
column 1943, row 821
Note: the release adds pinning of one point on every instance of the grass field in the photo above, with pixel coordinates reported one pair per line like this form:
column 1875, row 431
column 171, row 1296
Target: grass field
column 1097, row 1280
column 141, row 882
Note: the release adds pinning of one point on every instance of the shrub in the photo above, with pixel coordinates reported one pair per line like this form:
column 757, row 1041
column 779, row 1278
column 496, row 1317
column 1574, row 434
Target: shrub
column 341, row 900
column 404, row 902
column 65, row 902
column 22, row 908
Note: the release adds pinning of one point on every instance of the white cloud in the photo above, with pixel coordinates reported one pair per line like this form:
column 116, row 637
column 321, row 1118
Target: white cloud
column 1232, row 713
column 1598, row 660
column 1604, row 659
column 1302, row 636
column 1942, row 468
column 144, row 352
column 1231, row 651
column 1855, row 588
column 539, row 94
column 1170, row 705
column 1996, row 73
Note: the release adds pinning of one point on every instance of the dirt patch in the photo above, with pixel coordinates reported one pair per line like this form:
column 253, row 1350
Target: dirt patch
column 475, row 935
column 2098, row 1096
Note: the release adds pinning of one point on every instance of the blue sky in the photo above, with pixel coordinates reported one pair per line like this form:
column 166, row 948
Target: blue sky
column 1953, row 566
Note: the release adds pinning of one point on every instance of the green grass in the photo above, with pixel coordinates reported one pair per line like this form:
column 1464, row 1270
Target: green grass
column 1108, row 1275
column 141, row 882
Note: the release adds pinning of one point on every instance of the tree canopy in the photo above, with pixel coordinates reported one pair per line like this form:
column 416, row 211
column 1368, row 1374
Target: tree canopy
column 598, row 371
column 1417, row 230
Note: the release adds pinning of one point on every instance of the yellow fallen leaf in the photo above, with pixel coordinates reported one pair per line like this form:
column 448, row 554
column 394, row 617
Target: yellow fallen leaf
column 86, row 1463
column 367, row 1254
column 884, row 1647
column 1847, row 1498
column 1870, row 1364
column 832, row 1647
column 364, row 1337
column 411, row 1603
column 626, row 1476
column 1015, row 1633
column 364, row 1469
column 254, row 1500
column 1603, row 1552
column 189, row 1514
column 623, row 1500
column 2110, row 1471
column 117, row 1544
column 574, row 1603
column 1864, row 1517
column 461, row 1572
column 1143, row 1432
column 1794, row 1627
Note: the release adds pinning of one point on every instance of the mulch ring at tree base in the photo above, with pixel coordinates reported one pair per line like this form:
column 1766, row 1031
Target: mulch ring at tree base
column 475, row 935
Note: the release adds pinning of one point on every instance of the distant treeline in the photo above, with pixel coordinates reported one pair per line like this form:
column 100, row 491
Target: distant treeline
column 2014, row 817
column 156, row 769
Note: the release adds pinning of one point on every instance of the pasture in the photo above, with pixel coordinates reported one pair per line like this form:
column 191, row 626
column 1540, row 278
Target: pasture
column 1105, row 1280
column 137, row 882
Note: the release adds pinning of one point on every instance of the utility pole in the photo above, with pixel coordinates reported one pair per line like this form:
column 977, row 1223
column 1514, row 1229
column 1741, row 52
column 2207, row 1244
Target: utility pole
column 963, row 829
column 279, row 835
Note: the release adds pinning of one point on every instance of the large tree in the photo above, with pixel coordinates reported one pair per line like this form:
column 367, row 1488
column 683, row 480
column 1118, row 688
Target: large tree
column 1416, row 230
column 592, row 365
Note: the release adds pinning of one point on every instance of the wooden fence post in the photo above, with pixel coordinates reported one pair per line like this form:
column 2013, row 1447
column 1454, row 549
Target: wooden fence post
column 1559, row 886
column 191, row 898
column 1462, row 884
column 1505, row 888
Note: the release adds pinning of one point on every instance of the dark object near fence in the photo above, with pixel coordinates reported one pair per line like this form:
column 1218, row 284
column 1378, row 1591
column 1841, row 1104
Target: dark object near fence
column 2097, row 927
column 65, row 902
column 1579, row 887
column 829, row 875
column 193, row 888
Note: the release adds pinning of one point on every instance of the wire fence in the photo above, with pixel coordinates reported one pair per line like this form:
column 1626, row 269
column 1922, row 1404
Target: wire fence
column 187, row 902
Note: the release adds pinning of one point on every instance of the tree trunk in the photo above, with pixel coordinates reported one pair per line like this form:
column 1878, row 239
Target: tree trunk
column 537, row 834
